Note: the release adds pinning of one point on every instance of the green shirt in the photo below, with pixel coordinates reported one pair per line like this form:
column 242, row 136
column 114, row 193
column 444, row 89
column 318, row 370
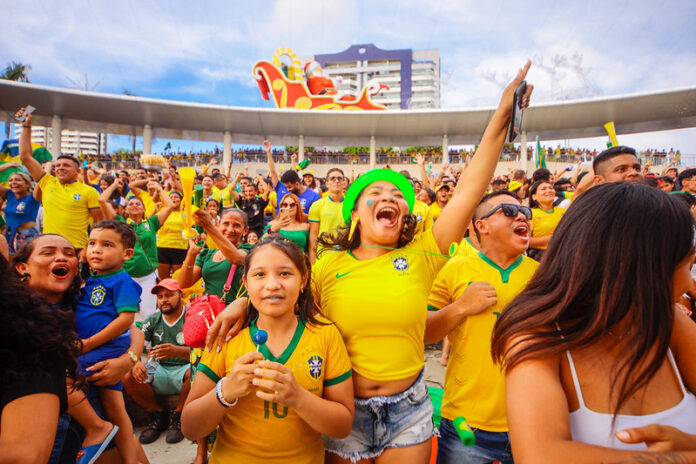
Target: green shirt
column 299, row 237
column 215, row 273
column 144, row 260
column 157, row 331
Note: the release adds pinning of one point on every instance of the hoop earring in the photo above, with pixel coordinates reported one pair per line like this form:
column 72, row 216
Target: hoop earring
column 24, row 277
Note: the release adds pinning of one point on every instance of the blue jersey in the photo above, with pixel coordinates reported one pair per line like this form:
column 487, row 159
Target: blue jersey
column 306, row 198
column 101, row 300
column 19, row 211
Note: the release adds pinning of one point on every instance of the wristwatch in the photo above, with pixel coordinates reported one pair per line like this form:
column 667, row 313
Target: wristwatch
column 133, row 357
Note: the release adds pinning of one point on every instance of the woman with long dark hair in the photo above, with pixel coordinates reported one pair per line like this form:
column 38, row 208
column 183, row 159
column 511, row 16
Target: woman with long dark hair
column 39, row 349
column 48, row 267
column 596, row 356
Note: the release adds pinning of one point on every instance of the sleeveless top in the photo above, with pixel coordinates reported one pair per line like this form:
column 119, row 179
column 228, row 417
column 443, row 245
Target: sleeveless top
column 595, row 428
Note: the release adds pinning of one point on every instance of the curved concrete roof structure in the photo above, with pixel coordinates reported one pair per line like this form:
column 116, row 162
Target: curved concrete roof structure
column 120, row 114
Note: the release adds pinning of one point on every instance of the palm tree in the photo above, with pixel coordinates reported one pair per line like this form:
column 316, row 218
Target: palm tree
column 14, row 72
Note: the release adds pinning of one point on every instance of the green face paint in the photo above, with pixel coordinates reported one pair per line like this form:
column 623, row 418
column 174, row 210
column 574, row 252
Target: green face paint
column 370, row 203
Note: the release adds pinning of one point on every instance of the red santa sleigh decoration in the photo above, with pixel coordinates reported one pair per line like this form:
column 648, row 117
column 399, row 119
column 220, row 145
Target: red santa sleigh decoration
column 318, row 92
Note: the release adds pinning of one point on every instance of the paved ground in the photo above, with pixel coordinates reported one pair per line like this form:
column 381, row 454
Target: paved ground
column 160, row 452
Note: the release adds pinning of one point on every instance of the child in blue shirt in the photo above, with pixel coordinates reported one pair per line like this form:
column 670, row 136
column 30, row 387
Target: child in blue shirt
column 105, row 310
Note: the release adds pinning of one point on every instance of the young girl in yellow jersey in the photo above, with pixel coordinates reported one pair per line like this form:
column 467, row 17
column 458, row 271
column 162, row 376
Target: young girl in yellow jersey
column 374, row 287
column 272, row 403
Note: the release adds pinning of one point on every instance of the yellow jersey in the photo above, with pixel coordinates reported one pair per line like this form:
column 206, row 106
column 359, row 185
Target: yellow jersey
column 544, row 222
column 272, row 203
column 379, row 305
column 328, row 214
column 474, row 385
column 227, row 200
column 466, row 248
column 169, row 235
column 435, row 210
column 67, row 208
column 423, row 216
column 148, row 202
column 257, row 430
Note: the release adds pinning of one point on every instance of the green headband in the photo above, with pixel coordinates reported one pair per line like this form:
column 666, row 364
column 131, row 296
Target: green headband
column 375, row 175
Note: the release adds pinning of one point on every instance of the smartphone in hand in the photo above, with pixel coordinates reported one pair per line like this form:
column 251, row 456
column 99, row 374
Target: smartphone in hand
column 516, row 119
column 27, row 110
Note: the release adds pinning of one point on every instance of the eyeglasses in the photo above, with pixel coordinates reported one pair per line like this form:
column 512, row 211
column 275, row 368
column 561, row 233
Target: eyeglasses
column 510, row 210
column 287, row 205
column 335, row 179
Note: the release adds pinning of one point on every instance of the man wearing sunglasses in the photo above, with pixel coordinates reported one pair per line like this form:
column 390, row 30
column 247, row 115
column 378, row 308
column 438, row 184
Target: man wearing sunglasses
column 464, row 303
column 326, row 215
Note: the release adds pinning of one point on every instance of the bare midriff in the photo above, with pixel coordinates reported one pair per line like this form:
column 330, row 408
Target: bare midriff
column 367, row 388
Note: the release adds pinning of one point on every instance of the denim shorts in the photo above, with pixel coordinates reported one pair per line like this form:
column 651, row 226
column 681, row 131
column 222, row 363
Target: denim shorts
column 381, row 422
column 489, row 447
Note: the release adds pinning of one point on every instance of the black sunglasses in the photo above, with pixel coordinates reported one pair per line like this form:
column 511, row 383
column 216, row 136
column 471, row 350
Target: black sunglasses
column 510, row 210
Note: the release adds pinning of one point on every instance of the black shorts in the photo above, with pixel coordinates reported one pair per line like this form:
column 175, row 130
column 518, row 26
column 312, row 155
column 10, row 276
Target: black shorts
column 171, row 256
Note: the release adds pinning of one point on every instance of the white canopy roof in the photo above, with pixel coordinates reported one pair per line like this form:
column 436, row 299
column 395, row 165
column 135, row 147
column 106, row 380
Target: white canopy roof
column 120, row 114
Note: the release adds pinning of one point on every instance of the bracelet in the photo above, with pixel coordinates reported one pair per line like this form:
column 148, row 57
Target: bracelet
column 221, row 399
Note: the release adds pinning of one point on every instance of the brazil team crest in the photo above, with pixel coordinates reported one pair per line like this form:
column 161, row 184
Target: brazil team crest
column 315, row 363
column 400, row 263
column 77, row 196
column 98, row 294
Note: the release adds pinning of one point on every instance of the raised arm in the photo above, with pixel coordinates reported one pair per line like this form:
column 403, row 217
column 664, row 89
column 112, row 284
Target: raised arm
column 104, row 204
column 271, row 162
column 455, row 217
column 164, row 213
column 25, row 153
column 424, row 175
column 267, row 188
column 190, row 273
column 233, row 187
column 233, row 254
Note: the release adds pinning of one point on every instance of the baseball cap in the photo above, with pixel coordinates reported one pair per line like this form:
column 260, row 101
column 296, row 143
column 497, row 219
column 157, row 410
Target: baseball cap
column 169, row 284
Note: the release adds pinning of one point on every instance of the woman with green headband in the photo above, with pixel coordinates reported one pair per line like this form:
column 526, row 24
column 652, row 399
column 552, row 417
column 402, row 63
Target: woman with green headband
column 374, row 287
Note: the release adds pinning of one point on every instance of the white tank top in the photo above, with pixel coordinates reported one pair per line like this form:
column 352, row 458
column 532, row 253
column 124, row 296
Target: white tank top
column 595, row 428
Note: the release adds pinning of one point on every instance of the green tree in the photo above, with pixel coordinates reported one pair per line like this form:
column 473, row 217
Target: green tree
column 15, row 72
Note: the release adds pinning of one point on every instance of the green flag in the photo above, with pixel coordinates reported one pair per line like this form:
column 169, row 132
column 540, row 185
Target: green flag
column 541, row 156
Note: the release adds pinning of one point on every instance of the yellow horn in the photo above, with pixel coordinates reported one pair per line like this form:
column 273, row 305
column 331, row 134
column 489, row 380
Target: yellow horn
column 611, row 130
column 187, row 176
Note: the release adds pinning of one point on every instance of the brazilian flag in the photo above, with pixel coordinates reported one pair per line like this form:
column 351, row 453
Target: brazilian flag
column 541, row 156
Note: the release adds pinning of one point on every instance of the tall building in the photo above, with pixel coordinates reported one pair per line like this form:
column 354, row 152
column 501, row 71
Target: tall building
column 71, row 143
column 413, row 76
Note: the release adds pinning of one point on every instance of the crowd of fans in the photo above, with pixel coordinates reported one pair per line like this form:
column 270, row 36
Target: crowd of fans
column 361, row 155
column 564, row 299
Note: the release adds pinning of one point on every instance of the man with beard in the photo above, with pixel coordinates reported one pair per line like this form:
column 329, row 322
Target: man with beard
column 289, row 182
column 165, row 343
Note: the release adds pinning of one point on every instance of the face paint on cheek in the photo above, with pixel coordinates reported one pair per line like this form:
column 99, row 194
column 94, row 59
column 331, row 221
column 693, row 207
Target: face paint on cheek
column 370, row 203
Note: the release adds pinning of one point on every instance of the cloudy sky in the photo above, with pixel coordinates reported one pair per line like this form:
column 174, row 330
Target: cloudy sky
column 203, row 51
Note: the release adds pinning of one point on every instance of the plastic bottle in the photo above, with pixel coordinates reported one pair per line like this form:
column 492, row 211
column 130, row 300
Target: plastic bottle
column 464, row 431
column 151, row 366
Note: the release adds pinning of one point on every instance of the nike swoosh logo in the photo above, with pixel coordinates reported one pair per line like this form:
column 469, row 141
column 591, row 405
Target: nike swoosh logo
column 338, row 276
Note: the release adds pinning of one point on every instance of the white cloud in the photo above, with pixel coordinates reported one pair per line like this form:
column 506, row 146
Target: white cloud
column 198, row 47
